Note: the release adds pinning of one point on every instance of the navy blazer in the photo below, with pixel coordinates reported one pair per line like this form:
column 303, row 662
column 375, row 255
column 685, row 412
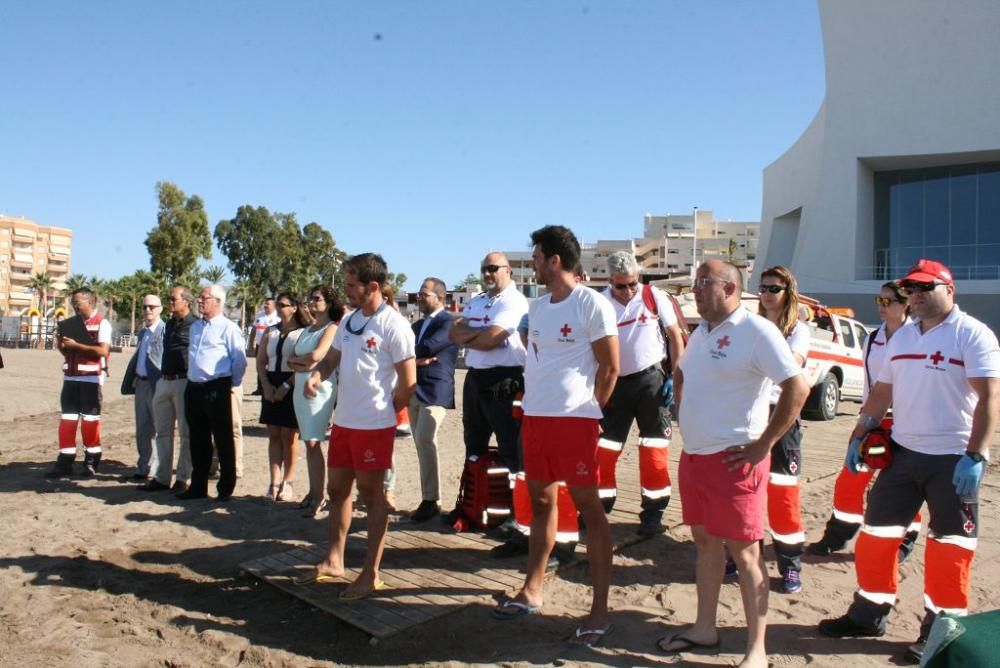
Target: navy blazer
column 436, row 382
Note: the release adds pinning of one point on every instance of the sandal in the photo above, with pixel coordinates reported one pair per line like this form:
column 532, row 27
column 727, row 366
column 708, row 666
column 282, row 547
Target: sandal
column 285, row 493
column 314, row 510
column 306, row 502
column 272, row 492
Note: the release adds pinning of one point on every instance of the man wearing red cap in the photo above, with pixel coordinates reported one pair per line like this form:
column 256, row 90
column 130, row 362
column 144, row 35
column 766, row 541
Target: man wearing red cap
column 942, row 380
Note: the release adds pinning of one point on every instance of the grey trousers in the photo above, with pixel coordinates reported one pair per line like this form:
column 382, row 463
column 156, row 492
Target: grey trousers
column 145, row 427
column 168, row 409
column 425, row 421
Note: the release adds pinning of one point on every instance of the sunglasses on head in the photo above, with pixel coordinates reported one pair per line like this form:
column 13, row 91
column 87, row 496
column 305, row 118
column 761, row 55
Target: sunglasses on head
column 773, row 289
column 626, row 286
column 888, row 301
column 915, row 286
column 491, row 268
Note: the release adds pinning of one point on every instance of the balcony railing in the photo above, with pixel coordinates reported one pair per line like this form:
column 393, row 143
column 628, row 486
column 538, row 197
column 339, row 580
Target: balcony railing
column 893, row 263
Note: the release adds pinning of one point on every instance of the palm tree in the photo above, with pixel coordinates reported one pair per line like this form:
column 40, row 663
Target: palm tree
column 214, row 274
column 107, row 291
column 42, row 284
column 242, row 291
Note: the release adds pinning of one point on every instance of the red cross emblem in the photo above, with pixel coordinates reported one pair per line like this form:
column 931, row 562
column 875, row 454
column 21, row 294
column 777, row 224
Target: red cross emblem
column 643, row 318
column 486, row 319
column 566, row 329
column 370, row 343
column 969, row 526
column 937, row 357
column 723, row 342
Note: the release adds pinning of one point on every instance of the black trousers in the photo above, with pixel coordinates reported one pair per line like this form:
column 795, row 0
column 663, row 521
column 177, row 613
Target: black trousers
column 487, row 409
column 209, row 414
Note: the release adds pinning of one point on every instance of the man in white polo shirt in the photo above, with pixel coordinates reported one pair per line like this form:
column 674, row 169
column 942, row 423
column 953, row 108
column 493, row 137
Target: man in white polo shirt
column 374, row 349
column 942, row 380
column 723, row 388
column 571, row 370
column 647, row 331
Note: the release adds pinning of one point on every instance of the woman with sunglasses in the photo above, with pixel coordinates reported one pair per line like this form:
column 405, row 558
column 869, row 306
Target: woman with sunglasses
column 277, row 380
column 779, row 303
column 313, row 413
column 849, row 490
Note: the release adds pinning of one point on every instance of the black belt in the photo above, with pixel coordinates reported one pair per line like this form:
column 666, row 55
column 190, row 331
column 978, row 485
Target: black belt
column 173, row 376
column 648, row 369
column 498, row 369
column 228, row 379
column 142, row 377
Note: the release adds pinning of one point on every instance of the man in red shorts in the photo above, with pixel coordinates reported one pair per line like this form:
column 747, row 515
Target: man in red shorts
column 722, row 387
column 572, row 365
column 374, row 349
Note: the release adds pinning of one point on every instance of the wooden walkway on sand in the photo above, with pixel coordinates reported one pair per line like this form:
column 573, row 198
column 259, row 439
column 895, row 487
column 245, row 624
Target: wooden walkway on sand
column 431, row 571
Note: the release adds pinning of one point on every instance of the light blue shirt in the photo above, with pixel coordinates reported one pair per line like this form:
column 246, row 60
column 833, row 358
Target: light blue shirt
column 216, row 351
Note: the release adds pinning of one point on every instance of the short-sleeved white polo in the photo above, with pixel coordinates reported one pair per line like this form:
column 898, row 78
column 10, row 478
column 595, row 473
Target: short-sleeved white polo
column 370, row 349
column 505, row 310
column 561, row 370
column 728, row 373
column 932, row 400
column 640, row 341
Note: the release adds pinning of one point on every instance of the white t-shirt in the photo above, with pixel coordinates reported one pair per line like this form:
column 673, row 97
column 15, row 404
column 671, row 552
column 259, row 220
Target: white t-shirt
column 261, row 323
column 103, row 336
column 503, row 310
column 370, row 349
column 932, row 401
column 728, row 373
column 640, row 341
column 798, row 343
column 873, row 359
column 561, row 369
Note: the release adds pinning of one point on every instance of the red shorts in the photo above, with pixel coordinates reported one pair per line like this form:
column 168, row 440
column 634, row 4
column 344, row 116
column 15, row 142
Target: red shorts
column 729, row 504
column 361, row 449
column 560, row 448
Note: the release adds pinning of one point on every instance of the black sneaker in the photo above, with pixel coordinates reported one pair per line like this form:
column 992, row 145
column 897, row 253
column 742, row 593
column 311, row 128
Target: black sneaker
column 845, row 627
column 790, row 582
column 512, row 548
column 731, row 570
column 88, row 471
column 823, row 549
column 649, row 527
column 427, row 510
column 58, row 474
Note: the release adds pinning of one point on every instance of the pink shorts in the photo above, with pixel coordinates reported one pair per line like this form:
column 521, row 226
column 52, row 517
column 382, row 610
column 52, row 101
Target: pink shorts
column 560, row 448
column 361, row 449
column 729, row 504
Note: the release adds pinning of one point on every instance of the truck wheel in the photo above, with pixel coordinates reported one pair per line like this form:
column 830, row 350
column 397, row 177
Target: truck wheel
column 823, row 400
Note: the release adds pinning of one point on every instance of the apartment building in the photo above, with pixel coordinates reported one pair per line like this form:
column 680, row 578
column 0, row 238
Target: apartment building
column 26, row 249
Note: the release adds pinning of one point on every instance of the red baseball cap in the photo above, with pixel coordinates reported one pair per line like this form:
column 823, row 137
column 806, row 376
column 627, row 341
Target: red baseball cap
column 928, row 271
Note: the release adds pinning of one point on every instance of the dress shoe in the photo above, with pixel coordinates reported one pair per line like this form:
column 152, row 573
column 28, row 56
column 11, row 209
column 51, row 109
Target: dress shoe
column 845, row 627
column 180, row 487
column 154, row 485
column 192, row 494
column 427, row 510
column 222, row 498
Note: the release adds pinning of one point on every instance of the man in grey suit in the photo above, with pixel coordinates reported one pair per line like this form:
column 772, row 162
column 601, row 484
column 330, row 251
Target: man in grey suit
column 435, row 391
column 147, row 363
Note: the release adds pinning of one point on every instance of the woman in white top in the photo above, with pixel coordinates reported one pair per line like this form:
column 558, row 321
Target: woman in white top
column 314, row 413
column 779, row 303
column 849, row 490
column 277, row 379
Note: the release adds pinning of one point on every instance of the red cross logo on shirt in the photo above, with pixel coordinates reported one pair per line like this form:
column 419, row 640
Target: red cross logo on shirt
column 969, row 526
column 937, row 357
column 723, row 342
column 486, row 319
column 566, row 329
column 643, row 318
column 370, row 343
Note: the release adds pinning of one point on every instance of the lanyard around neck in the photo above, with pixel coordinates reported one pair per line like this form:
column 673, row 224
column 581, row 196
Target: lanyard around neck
column 350, row 329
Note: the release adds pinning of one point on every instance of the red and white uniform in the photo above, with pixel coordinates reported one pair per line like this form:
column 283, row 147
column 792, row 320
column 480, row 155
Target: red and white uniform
column 80, row 400
column 84, row 368
column 368, row 368
column 640, row 341
column 728, row 373
column 505, row 310
column 933, row 404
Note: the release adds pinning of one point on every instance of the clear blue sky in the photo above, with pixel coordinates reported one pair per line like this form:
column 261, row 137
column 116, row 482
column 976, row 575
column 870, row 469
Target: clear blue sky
column 430, row 132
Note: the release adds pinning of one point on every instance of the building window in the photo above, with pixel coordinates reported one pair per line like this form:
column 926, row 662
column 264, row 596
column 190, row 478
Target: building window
column 950, row 214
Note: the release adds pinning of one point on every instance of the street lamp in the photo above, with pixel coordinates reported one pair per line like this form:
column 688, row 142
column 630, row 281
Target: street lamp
column 694, row 241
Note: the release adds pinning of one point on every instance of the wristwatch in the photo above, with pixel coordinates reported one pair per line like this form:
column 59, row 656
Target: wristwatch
column 286, row 385
column 975, row 456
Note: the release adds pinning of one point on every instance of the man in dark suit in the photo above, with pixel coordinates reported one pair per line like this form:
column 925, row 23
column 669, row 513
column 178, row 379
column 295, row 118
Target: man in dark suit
column 435, row 392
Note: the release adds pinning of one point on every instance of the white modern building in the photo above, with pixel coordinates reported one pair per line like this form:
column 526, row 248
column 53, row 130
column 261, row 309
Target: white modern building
column 902, row 159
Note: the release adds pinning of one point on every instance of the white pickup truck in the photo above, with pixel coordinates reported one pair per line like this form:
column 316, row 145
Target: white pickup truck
column 835, row 366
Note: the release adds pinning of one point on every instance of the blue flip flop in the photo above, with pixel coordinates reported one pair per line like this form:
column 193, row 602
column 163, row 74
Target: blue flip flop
column 519, row 610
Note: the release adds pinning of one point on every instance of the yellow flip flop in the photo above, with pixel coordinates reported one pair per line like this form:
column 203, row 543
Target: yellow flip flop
column 314, row 577
column 379, row 584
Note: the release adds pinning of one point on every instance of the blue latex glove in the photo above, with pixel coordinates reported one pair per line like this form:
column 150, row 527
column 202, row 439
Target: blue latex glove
column 667, row 392
column 968, row 474
column 853, row 458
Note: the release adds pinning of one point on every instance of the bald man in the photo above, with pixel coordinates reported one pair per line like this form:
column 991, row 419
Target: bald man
column 148, row 360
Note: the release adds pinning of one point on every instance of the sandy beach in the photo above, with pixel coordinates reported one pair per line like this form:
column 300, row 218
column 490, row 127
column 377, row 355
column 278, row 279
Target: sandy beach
column 96, row 573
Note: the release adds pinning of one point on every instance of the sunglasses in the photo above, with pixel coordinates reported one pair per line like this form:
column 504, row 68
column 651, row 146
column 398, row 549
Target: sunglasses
column 150, row 307
column 886, row 302
column 284, row 305
column 625, row 286
column 492, row 268
column 773, row 289
column 910, row 288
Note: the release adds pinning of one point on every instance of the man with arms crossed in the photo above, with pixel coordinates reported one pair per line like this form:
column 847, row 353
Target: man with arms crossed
column 942, row 379
column 570, row 373
column 722, row 388
column 374, row 350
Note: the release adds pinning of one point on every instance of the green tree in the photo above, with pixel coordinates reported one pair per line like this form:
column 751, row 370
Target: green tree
column 213, row 274
column 107, row 292
column 181, row 236
column 135, row 286
column 244, row 294
column 397, row 281
column 42, row 285
column 469, row 280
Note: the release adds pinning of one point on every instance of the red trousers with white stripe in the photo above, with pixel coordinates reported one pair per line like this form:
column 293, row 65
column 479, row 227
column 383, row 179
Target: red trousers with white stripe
column 784, row 513
column 568, row 527
column 80, row 404
column 898, row 492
